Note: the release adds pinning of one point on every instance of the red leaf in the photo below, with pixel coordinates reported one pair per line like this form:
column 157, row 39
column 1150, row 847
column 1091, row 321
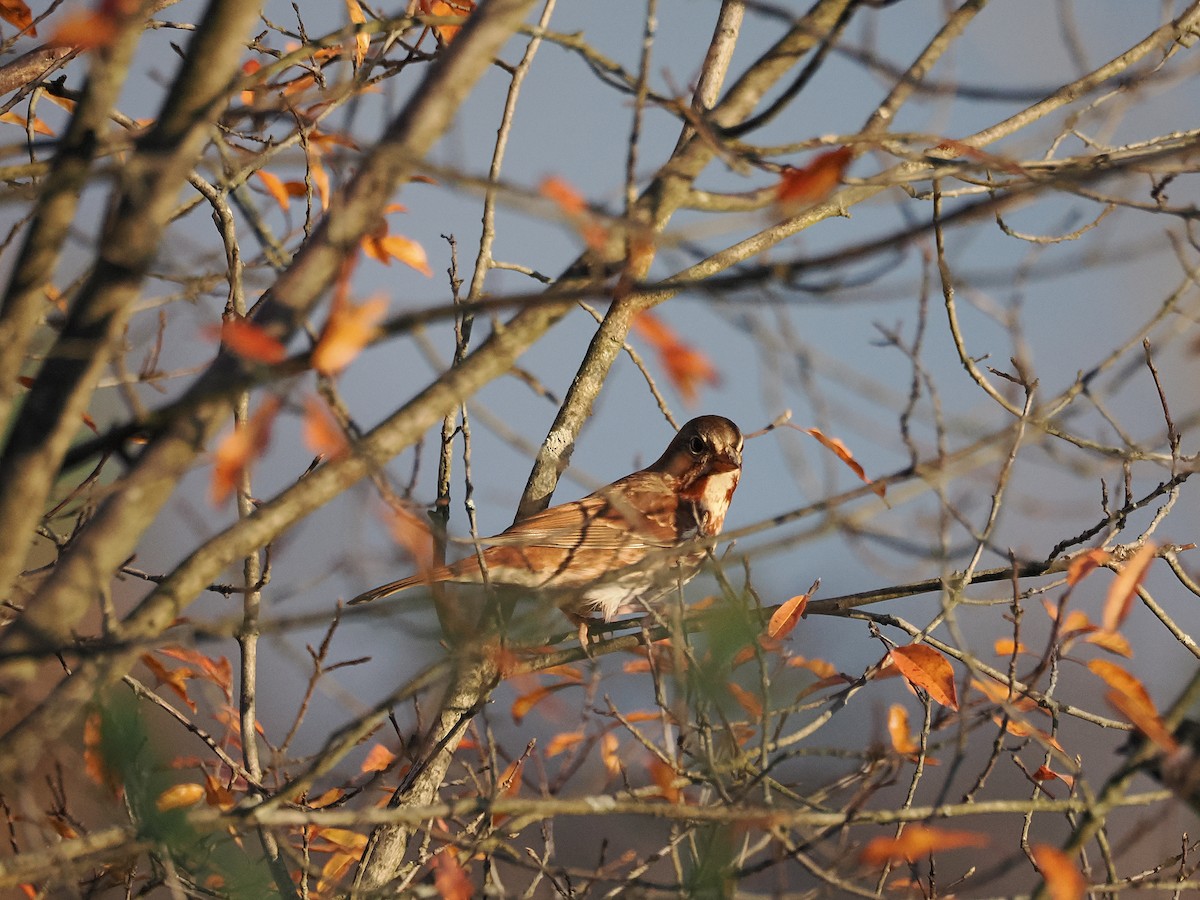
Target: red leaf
column 17, row 14
column 175, row 679
column 248, row 340
column 322, row 433
column 1130, row 697
column 686, row 367
column 449, row 878
column 801, row 188
column 241, row 447
column 927, row 669
column 747, row 700
column 378, row 759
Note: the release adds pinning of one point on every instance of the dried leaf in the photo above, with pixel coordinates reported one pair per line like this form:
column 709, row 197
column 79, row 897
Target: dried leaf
column 275, row 187
column 1044, row 773
column 378, row 759
column 447, row 33
column 526, row 702
column 664, row 778
column 84, row 30
column 1125, row 585
column 178, row 796
column 1063, row 878
column 322, row 433
column 93, row 758
column 842, row 452
column 175, row 679
column 747, row 700
column 685, row 366
column 563, row 195
column 449, row 878
column 387, row 247
column 412, row 533
column 1007, row 647
column 1130, row 697
column 241, row 447
column 927, row 669
column 562, row 742
column 217, row 795
column 39, row 127
column 819, row 667
column 801, row 188
column 916, row 842
column 610, row 747
column 1082, row 564
column 17, row 14
column 1112, row 642
column 248, row 340
column 789, row 614
column 362, row 42
column 217, row 670
column 350, row 328
column 899, row 731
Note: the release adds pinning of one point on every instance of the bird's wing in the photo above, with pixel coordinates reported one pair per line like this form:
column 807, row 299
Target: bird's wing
column 636, row 512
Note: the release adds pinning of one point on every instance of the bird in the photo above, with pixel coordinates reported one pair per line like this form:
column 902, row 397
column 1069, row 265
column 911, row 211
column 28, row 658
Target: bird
column 609, row 553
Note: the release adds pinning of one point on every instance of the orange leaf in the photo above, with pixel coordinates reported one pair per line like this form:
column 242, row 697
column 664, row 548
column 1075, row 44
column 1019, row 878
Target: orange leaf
column 789, row 614
column 1082, row 564
column 1130, row 697
column 842, row 452
column 39, row 127
column 378, row 759
column 1125, row 585
column 17, row 14
column 275, row 187
column 178, row 796
column 93, row 758
column 175, row 679
column 899, row 731
column 609, row 753
column 322, row 434
column 362, row 42
column 350, row 328
column 248, row 340
column 392, row 246
column 747, row 700
column 446, row 33
column 664, row 778
column 801, row 188
column 927, row 669
column 1063, row 878
column 217, row 795
column 563, row 195
column 916, row 842
column 449, row 878
column 563, row 741
column 1044, row 773
column 335, row 867
column 1112, row 642
column 218, row 670
column 241, row 447
column 1006, row 647
column 819, row 667
column 412, row 533
column 84, row 30
column 686, row 366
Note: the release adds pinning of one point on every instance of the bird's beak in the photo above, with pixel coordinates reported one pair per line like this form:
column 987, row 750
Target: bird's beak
column 730, row 463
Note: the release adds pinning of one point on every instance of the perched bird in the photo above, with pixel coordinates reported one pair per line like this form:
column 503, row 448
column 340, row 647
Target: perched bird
column 609, row 552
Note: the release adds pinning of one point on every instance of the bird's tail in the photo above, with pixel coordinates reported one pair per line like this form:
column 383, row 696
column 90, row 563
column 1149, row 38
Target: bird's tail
column 392, row 587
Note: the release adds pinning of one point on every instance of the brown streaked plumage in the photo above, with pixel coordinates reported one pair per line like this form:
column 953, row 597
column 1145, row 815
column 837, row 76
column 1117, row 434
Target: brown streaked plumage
column 586, row 553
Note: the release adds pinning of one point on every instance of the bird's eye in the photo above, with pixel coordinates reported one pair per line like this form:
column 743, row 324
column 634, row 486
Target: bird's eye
column 696, row 445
